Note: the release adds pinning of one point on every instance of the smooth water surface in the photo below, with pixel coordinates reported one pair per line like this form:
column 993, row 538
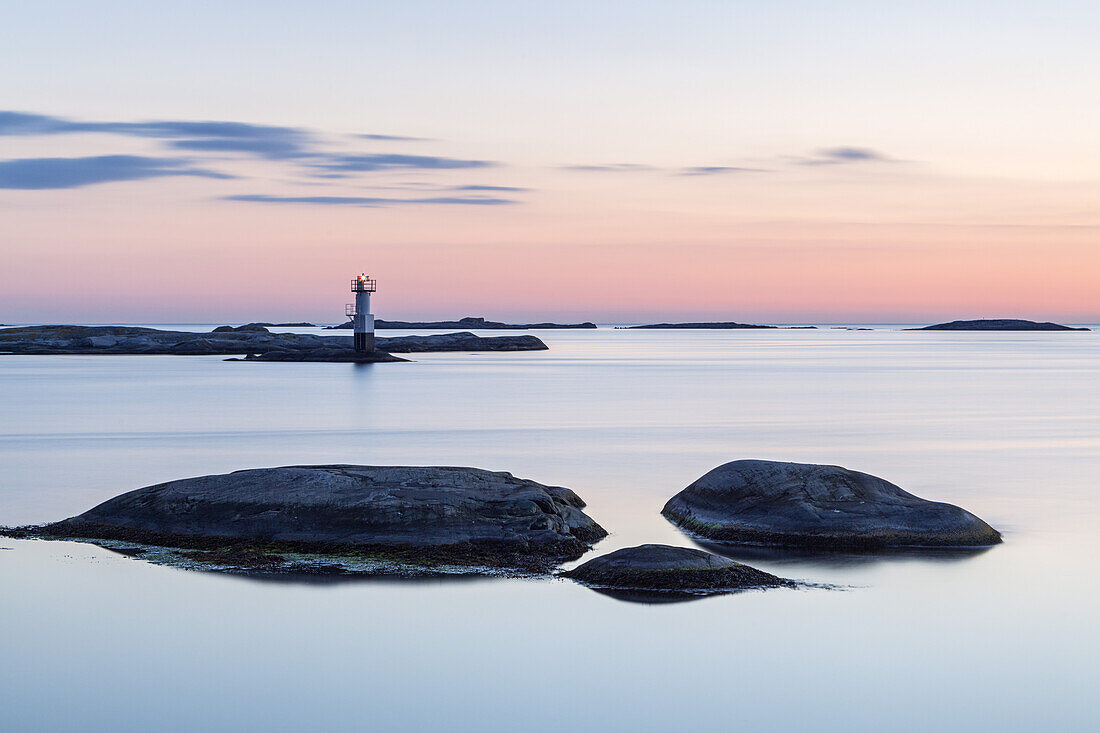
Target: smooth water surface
column 1004, row 424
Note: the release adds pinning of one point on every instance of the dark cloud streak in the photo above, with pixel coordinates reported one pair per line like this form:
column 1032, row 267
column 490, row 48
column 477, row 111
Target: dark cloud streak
column 338, row 164
column 713, row 170
column 265, row 141
column 842, row 155
column 475, row 187
column 393, row 138
column 610, row 168
column 52, row 173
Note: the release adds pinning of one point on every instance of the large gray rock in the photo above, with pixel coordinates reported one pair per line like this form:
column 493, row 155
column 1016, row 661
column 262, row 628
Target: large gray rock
column 666, row 568
column 459, row 514
column 808, row 505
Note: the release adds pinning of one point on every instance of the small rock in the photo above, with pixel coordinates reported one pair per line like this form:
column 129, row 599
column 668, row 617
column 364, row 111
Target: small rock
column 665, row 568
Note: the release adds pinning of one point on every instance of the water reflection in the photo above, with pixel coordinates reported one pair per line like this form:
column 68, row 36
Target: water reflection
column 320, row 575
column 656, row 597
column 663, row 597
column 838, row 559
column 1003, row 425
column 380, row 580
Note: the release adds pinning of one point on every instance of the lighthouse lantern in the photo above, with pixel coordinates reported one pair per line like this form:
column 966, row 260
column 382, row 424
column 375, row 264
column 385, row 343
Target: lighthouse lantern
column 362, row 321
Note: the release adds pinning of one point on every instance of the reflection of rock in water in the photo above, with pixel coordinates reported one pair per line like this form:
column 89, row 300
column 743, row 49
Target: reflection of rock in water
column 656, row 597
column 834, row 559
column 331, row 579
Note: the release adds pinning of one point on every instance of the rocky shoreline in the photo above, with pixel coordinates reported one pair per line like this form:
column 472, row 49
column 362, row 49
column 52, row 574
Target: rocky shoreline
column 253, row 342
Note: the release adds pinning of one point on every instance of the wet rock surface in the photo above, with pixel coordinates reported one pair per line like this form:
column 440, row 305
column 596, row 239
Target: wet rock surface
column 818, row 506
column 673, row 569
column 412, row 515
column 252, row 339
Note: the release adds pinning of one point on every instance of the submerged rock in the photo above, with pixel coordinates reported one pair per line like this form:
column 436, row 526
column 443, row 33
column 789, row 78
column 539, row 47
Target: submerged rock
column 817, row 506
column 665, row 568
column 419, row 516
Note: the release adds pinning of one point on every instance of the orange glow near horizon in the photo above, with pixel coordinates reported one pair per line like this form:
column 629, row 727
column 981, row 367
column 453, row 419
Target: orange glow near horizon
column 724, row 161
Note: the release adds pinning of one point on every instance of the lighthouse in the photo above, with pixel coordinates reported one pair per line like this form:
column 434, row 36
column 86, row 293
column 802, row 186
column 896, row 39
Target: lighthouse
column 362, row 320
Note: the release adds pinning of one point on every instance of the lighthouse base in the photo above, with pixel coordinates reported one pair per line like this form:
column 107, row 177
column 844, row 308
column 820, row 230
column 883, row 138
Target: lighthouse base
column 364, row 342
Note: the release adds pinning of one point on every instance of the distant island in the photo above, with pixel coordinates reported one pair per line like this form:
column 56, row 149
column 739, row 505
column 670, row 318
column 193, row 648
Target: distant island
column 468, row 322
column 998, row 324
column 253, row 342
column 298, row 324
column 716, row 325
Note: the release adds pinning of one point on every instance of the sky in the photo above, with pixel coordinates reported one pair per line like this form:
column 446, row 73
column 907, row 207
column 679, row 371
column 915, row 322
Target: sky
column 785, row 162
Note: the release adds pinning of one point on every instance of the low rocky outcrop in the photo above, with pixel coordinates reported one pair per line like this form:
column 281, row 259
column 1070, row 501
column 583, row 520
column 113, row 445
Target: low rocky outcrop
column 715, row 325
column 998, row 324
column 407, row 519
column 245, row 328
column 818, row 506
column 463, row 341
column 467, row 322
column 671, row 569
column 252, row 340
column 343, row 355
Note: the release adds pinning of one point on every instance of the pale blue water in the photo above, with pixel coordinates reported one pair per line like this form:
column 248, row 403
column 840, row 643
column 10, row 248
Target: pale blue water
column 1007, row 425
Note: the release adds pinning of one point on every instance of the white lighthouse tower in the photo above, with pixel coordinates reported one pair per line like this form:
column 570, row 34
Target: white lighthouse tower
column 362, row 320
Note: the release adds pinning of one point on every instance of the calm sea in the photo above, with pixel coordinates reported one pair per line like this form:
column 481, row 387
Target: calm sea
column 1004, row 424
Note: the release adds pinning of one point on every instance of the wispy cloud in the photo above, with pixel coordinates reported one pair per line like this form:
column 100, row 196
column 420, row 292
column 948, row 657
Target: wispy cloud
column 271, row 142
column 49, row 173
column 306, row 150
column 715, row 170
column 695, row 170
column 477, row 187
column 842, row 155
column 826, row 156
column 368, row 201
column 265, row 141
column 393, row 138
column 342, row 164
column 611, row 168
column 271, row 148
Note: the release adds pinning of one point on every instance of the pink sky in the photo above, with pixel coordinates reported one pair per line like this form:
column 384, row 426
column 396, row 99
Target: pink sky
column 555, row 163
